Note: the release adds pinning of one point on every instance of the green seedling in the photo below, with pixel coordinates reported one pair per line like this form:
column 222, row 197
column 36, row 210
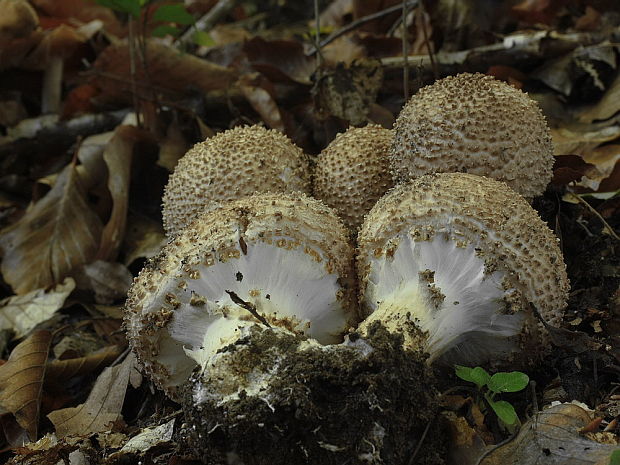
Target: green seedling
column 490, row 386
column 168, row 16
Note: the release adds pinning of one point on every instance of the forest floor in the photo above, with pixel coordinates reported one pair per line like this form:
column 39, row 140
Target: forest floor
column 100, row 99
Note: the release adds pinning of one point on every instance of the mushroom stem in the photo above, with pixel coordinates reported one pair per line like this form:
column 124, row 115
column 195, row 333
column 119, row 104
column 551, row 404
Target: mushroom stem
column 52, row 86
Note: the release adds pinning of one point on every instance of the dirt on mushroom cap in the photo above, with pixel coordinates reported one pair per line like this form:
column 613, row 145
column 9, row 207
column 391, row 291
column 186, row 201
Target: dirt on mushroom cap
column 230, row 165
column 476, row 124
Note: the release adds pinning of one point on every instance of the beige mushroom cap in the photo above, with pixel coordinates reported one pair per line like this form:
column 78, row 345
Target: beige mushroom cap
column 230, row 165
column 287, row 255
column 461, row 257
column 352, row 172
column 476, row 124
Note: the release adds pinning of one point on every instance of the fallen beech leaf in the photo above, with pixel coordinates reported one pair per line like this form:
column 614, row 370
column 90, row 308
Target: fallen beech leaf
column 109, row 281
column 103, row 406
column 18, row 19
column 254, row 88
column 606, row 107
column 21, row 313
column 552, row 437
column 280, row 60
column 117, row 156
column 569, row 168
column 57, row 234
column 169, row 71
column 582, row 139
column 67, row 369
column 173, row 147
column 144, row 238
column 21, row 380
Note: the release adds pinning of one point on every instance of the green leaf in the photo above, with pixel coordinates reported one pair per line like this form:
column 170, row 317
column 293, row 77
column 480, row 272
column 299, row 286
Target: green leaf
column 477, row 375
column 131, row 7
column 175, row 13
column 504, row 411
column 615, row 457
column 162, row 31
column 204, row 39
column 508, row 382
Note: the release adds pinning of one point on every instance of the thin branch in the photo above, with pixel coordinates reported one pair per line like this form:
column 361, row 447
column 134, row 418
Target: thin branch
column 405, row 53
column 427, row 41
column 206, row 23
column 606, row 226
column 359, row 22
column 317, row 34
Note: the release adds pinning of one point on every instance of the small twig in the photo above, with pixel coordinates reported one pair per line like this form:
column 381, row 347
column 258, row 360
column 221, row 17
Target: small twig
column 606, row 226
column 358, row 22
column 206, row 23
column 405, row 53
column 427, row 42
column 248, row 306
column 534, row 398
column 132, row 70
column 487, row 452
column 317, row 34
column 420, row 442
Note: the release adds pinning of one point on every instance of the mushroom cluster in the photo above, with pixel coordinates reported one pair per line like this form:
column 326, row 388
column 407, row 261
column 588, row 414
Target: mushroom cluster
column 274, row 332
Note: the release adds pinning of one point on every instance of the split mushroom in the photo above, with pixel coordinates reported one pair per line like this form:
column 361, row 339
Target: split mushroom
column 454, row 261
column 476, row 124
column 232, row 164
column 278, row 260
column 352, row 172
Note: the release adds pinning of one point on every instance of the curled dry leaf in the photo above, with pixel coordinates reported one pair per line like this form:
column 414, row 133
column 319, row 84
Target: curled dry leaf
column 109, row 281
column 117, row 156
column 255, row 88
column 59, row 370
column 169, row 71
column 57, row 234
column 21, row 380
column 144, row 238
column 552, row 437
column 21, row 313
column 102, row 408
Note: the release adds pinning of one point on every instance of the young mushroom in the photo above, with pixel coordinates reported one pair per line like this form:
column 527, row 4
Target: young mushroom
column 352, row 172
column 454, row 262
column 231, row 165
column 476, row 124
column 276, row 260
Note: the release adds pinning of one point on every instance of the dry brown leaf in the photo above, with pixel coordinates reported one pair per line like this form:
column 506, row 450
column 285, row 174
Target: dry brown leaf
column 57, row 235
column 117, row 156
column 580, row 140
column 18, row 20
column 83, row 10
column 606, row 107
column 552, row 437
column 21, row 313
column 144, row 238
column 21, row 380
column 103, row 406
column 66, row 369
column 255, row 89
column 172, row 147
column 108, row 281
column 169, row 72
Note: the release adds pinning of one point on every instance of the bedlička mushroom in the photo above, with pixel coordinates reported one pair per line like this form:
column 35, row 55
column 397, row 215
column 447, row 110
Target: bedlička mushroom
column 454, row 261
column 476, row 124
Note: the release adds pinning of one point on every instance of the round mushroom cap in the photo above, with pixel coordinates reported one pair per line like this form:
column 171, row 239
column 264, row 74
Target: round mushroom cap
column 352, row 172
column 476, row 124
column 230, row 165
column 460, row 258
column 282, row 260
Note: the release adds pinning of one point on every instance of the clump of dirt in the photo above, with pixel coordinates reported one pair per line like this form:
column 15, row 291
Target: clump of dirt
column 367, row 401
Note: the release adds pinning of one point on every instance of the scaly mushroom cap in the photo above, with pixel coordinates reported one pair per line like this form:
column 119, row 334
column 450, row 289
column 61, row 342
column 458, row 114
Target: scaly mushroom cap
column 230, row 165
column 458, row 258
column 476, row 124
column 352, row 173
column 286, row 256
